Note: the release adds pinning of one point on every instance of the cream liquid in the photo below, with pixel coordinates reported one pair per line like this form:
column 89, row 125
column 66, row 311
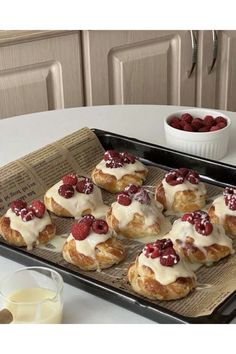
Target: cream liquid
column 49, row 311
column 56, row 244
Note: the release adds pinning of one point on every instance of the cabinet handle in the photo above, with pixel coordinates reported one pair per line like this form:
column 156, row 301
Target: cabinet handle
column 194, row 53
column 214, row 52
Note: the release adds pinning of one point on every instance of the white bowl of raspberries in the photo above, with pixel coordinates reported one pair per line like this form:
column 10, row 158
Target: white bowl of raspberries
column 201, row 132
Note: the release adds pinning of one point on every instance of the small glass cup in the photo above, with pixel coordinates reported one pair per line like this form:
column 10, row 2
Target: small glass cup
column 33, row 295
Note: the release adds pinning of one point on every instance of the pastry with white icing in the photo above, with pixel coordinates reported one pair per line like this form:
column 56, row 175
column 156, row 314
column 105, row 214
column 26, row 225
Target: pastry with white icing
column 26, row 226
column 223, row 210
column 134, row 214
column 74, row 196
column 181, row 191
column 158, row 273
column 118, row 170
column 92, row 246
column 197, row 240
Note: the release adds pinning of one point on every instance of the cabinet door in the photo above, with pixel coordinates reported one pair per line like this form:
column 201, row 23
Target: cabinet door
column 216, row 89
column 40, row 73
column 138, row 67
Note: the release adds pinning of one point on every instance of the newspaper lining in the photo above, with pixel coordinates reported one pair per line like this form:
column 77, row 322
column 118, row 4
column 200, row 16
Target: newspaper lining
column 30, row 177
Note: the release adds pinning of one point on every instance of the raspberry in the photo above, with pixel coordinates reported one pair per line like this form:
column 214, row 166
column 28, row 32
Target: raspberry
column 66, row 191
column 196, row 216
column 128, row 158
column 174, row 120
column 188, row 127
column 142, row 197
column 221, row 125
column 100, row 226
column 229, row 190
column 38, row 208
column 84, row 186
column 88, row 219
column 26, row 214
column 71, row 179
column 220, row 119
column 169, row 257
column 203, row 227
column 189, row 217
column 132, row 189
column 123, row 198
column 230, row 201
column 182, row 123
column 115, row 163
column 151, row 250
column 200, row 215
column 197, row 123
column 110, row 155
column 186, row 117
column 17, row 205
column 174, row 177
column 193, row 177
column 203, row 129
column 80, row 231
column 193, row 128
column 157, row 248
column 183, row 171
column 164, row 243
column 208, row 121
column 214, row 128
column 176, row 126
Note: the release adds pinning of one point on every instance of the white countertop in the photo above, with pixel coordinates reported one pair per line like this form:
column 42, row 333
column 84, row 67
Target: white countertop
column 23, row 134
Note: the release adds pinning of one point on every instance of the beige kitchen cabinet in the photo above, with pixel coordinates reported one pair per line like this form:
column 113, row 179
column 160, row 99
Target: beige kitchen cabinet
column 39, row 71
column 138, row 67
column 216, row 86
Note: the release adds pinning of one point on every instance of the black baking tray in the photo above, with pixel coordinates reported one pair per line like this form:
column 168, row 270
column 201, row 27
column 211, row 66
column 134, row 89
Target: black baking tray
column 214, row 172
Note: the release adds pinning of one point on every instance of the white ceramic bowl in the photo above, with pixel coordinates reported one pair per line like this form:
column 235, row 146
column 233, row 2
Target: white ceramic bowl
column 212, row 145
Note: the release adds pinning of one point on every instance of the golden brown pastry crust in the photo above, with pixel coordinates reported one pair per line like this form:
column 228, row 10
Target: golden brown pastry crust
column 108, row 253
column 15, row 238
column 58, row 210
column 184, row 201
column 135, row 228
column 193, row 254
column 229, row 222
column 112, row 185
column 143, row 282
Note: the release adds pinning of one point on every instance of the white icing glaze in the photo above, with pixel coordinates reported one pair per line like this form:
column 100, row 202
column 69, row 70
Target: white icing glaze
column 56, row 244
column 125, row 214
column 79, row 202
column 166, row 275
column 29, row 230
column 119, row 172
column 221, row 209
column 199, row 189
column 181, row 229
column 87, row 246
